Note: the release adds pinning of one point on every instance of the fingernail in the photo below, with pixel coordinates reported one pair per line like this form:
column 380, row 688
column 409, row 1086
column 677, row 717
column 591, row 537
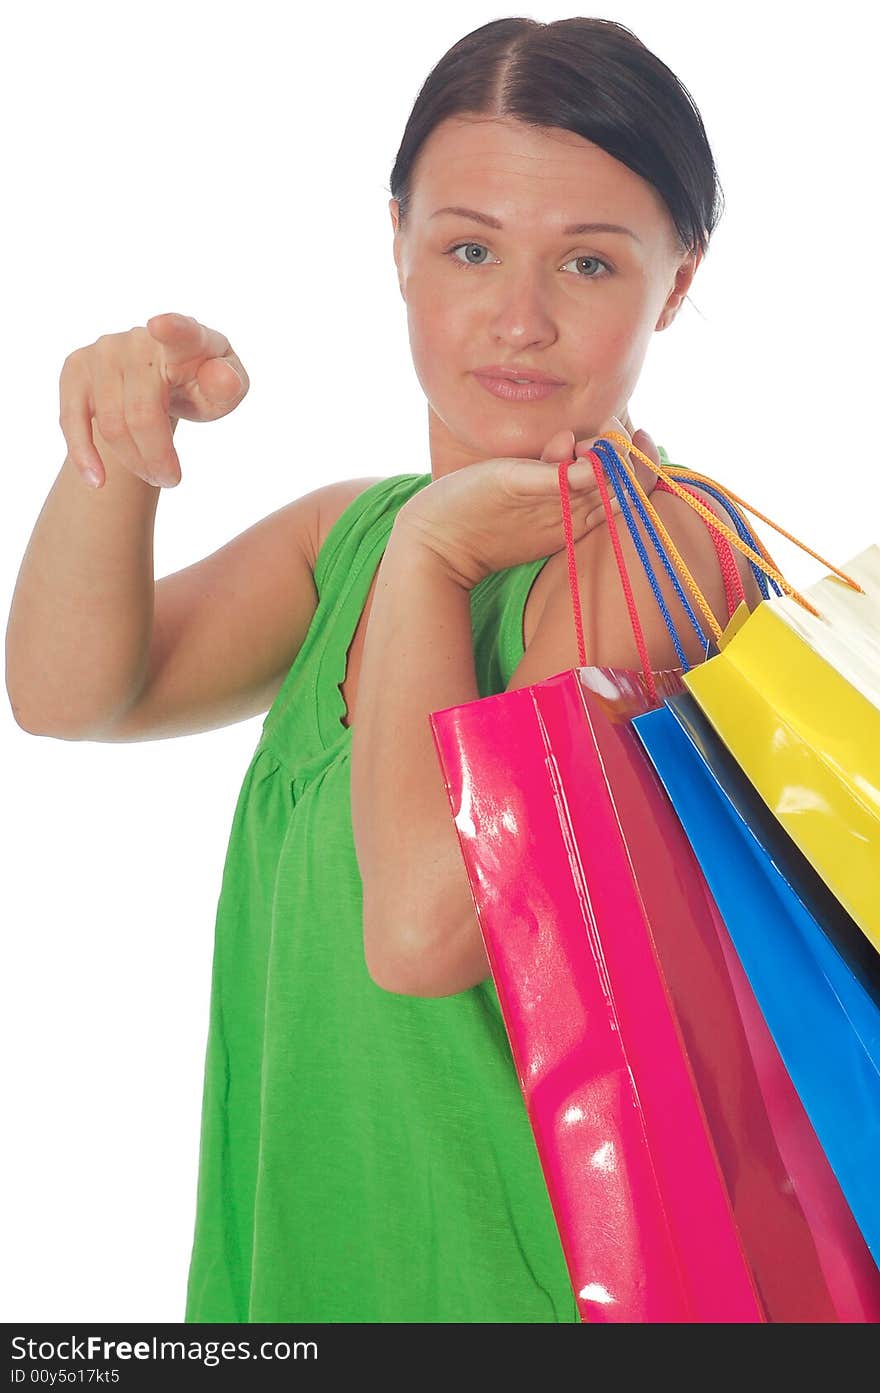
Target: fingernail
column 91, row 477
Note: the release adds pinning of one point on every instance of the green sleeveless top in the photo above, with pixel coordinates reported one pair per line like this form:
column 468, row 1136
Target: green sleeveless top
column 364, row 1156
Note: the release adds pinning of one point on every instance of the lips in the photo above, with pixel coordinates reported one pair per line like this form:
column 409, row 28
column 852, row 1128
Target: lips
column 506, row 390
column 511, row 372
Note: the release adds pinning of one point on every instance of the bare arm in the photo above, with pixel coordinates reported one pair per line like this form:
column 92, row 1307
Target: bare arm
column 418, row 658
column 78, row 634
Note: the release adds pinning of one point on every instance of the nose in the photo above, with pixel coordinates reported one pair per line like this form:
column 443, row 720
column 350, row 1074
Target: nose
column 521, row 311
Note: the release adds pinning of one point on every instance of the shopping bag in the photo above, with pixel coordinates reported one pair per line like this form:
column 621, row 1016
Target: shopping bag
column 793, row 931
column 796, row 700
column 671, row 1197
column 824, row 1023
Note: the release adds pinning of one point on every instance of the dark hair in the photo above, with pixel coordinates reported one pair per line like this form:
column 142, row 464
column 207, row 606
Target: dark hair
column 589, row 76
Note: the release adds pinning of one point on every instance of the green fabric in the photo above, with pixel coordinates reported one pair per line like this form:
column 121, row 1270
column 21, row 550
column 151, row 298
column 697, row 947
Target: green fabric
column 365, row 1156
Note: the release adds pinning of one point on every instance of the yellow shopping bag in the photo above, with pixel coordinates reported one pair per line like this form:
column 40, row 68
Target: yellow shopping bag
column 795, row 696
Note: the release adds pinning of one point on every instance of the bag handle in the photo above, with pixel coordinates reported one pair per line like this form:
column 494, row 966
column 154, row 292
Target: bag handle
column 612, row 463
column 742, row 528
column 647, row 669
column 763, row 561
column 739, row 522
column 734, row 592
column 744, row 541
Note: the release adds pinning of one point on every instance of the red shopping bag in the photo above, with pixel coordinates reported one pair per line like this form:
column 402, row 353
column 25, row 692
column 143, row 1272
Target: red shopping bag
column 672, row 1199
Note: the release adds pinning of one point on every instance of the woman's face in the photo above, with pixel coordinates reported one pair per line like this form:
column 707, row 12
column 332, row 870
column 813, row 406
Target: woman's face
column 582, row 306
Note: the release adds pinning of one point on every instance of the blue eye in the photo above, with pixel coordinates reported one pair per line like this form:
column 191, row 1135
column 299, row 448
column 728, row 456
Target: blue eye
column 465, row 264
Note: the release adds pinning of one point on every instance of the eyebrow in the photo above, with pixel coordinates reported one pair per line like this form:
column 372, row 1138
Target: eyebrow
column 573, row 230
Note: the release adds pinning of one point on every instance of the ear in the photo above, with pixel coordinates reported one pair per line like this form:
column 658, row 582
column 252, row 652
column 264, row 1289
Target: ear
column 684, row 276
column 394, row 210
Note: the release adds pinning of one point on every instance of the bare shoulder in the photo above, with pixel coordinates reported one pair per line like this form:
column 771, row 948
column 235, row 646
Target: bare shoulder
column 332, row 501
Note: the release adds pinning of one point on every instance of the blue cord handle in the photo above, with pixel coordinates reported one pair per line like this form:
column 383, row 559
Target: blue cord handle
column 620, row 480
column 621, row 474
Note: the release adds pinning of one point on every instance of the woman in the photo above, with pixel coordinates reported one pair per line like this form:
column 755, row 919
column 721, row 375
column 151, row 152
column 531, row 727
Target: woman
column 365, row 1153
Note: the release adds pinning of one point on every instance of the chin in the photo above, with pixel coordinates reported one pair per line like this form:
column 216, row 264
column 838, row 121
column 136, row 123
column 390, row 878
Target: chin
column 514, row 439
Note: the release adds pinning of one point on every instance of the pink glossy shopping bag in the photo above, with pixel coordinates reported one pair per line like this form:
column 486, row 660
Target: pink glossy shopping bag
column 660, row 1150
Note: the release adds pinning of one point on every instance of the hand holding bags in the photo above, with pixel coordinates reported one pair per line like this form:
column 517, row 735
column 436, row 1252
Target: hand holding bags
column 671, row 1195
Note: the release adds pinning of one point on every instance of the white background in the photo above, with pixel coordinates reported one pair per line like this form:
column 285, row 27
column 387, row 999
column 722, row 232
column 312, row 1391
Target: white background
column 233, row 163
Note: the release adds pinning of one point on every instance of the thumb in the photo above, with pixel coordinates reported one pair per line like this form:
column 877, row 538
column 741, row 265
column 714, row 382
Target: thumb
column 559, row 447
column 219, row 381
column 643, row 441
